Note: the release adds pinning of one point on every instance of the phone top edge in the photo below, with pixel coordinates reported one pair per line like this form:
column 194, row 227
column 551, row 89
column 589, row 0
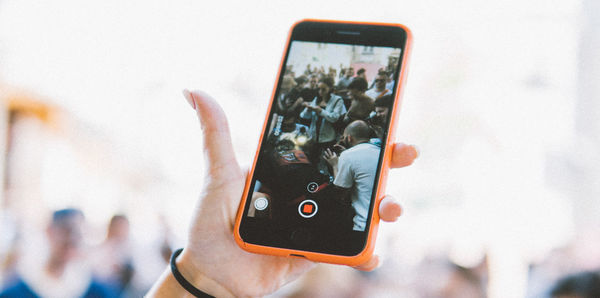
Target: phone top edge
column 350, row 32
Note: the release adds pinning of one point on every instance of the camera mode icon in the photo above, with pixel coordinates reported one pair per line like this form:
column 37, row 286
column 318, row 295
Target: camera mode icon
column 312, row 187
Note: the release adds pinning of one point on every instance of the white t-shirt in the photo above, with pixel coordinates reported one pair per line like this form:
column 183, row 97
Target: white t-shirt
column 357, row 168
column 373, row 93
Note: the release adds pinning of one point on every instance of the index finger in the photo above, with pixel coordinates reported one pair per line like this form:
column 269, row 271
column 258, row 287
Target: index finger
column 403, row 155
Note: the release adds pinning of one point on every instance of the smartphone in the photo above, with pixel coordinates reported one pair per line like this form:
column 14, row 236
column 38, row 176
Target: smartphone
column 322, row 161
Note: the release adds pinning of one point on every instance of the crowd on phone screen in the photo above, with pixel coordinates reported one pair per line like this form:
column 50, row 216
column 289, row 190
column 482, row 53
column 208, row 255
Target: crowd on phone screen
column 341, row 121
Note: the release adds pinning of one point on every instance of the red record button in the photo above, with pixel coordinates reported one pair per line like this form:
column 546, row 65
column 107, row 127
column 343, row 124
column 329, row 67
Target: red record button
column 308, row 208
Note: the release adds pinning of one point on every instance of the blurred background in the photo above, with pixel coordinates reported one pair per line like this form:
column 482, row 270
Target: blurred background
column 502, row 99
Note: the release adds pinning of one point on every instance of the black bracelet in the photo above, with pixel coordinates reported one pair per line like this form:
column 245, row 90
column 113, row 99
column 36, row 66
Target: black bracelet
column 182, row 281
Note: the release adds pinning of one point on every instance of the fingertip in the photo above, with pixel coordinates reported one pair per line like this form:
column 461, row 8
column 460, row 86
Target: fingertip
column 188, row 96
column 215, row 129
column 404, row 155
column 372, row 264
column 389, row 209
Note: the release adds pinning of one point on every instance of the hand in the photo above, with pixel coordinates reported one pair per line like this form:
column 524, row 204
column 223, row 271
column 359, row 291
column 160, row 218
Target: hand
column 211, row 260
column 339, row 148
column 317, row 109
column 330, row 157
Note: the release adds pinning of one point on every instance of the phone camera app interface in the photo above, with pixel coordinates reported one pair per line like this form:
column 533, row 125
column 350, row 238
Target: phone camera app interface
column 317, row 168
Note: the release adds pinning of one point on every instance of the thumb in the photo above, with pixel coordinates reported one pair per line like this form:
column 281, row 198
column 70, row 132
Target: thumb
column 218, row 150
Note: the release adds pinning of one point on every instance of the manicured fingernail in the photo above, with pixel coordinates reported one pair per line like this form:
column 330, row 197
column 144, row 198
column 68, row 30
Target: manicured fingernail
column 189, row 97
column 417, row 150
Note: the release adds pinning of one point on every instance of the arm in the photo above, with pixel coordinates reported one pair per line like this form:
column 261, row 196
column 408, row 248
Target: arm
column 297, row 103
column 280, row 106
column 344, row 177
column 307, row 113
column 338, row 110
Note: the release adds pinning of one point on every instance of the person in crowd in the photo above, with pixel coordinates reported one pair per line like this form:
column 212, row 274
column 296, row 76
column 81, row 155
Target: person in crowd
column 322, row 70
column 308, row 71
column 579, row 285
column 62, row 274
column 378, row 120
column 393, row 60
column 356, row 168
column 362, row 73
column 301, row 82
column 113, row 259
column 211, row 260
column 325, row 110
column 289, row 102
column 332, row 74
column 390, row 82
column 346, row 79
column 289, row 105
column 380, row 88
column 361, row 105
column 309, row 92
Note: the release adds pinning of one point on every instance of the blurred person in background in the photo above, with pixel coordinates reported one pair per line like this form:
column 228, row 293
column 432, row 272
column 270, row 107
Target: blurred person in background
column 379, row 89
column 462, row 282
column 361, row 105
column 579, row 285
column 289, row 101
column 346, row 79
column 341, row 88
column 64, row 272
column 390, row 83
column 289, row 106
column 332, row 74
column 393, row 60
column 362, row 73
column 112, row 259
column 8, row 248
column 301, row 82
column 308, row 71
column 309, row 92
column 378, row 120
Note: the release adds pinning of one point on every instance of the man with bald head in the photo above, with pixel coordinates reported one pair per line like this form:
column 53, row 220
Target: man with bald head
column 355, row 169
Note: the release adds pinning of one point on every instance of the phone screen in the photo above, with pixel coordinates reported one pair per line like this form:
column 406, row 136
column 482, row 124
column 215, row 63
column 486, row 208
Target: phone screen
column 315, row 177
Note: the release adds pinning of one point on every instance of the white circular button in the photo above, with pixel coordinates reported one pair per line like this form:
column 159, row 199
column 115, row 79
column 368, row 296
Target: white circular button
column 312, row 187
column 308, row 208
column 261, row 204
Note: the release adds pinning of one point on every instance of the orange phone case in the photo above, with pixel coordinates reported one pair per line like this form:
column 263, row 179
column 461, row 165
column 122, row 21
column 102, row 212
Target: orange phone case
column 363, row 256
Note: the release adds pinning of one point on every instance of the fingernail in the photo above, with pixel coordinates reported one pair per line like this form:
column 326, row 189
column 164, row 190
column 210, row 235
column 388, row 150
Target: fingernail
column 417, row 150
column 189, row 97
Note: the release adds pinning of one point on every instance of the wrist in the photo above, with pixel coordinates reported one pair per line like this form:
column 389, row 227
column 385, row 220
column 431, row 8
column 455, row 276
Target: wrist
column 193, row 274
